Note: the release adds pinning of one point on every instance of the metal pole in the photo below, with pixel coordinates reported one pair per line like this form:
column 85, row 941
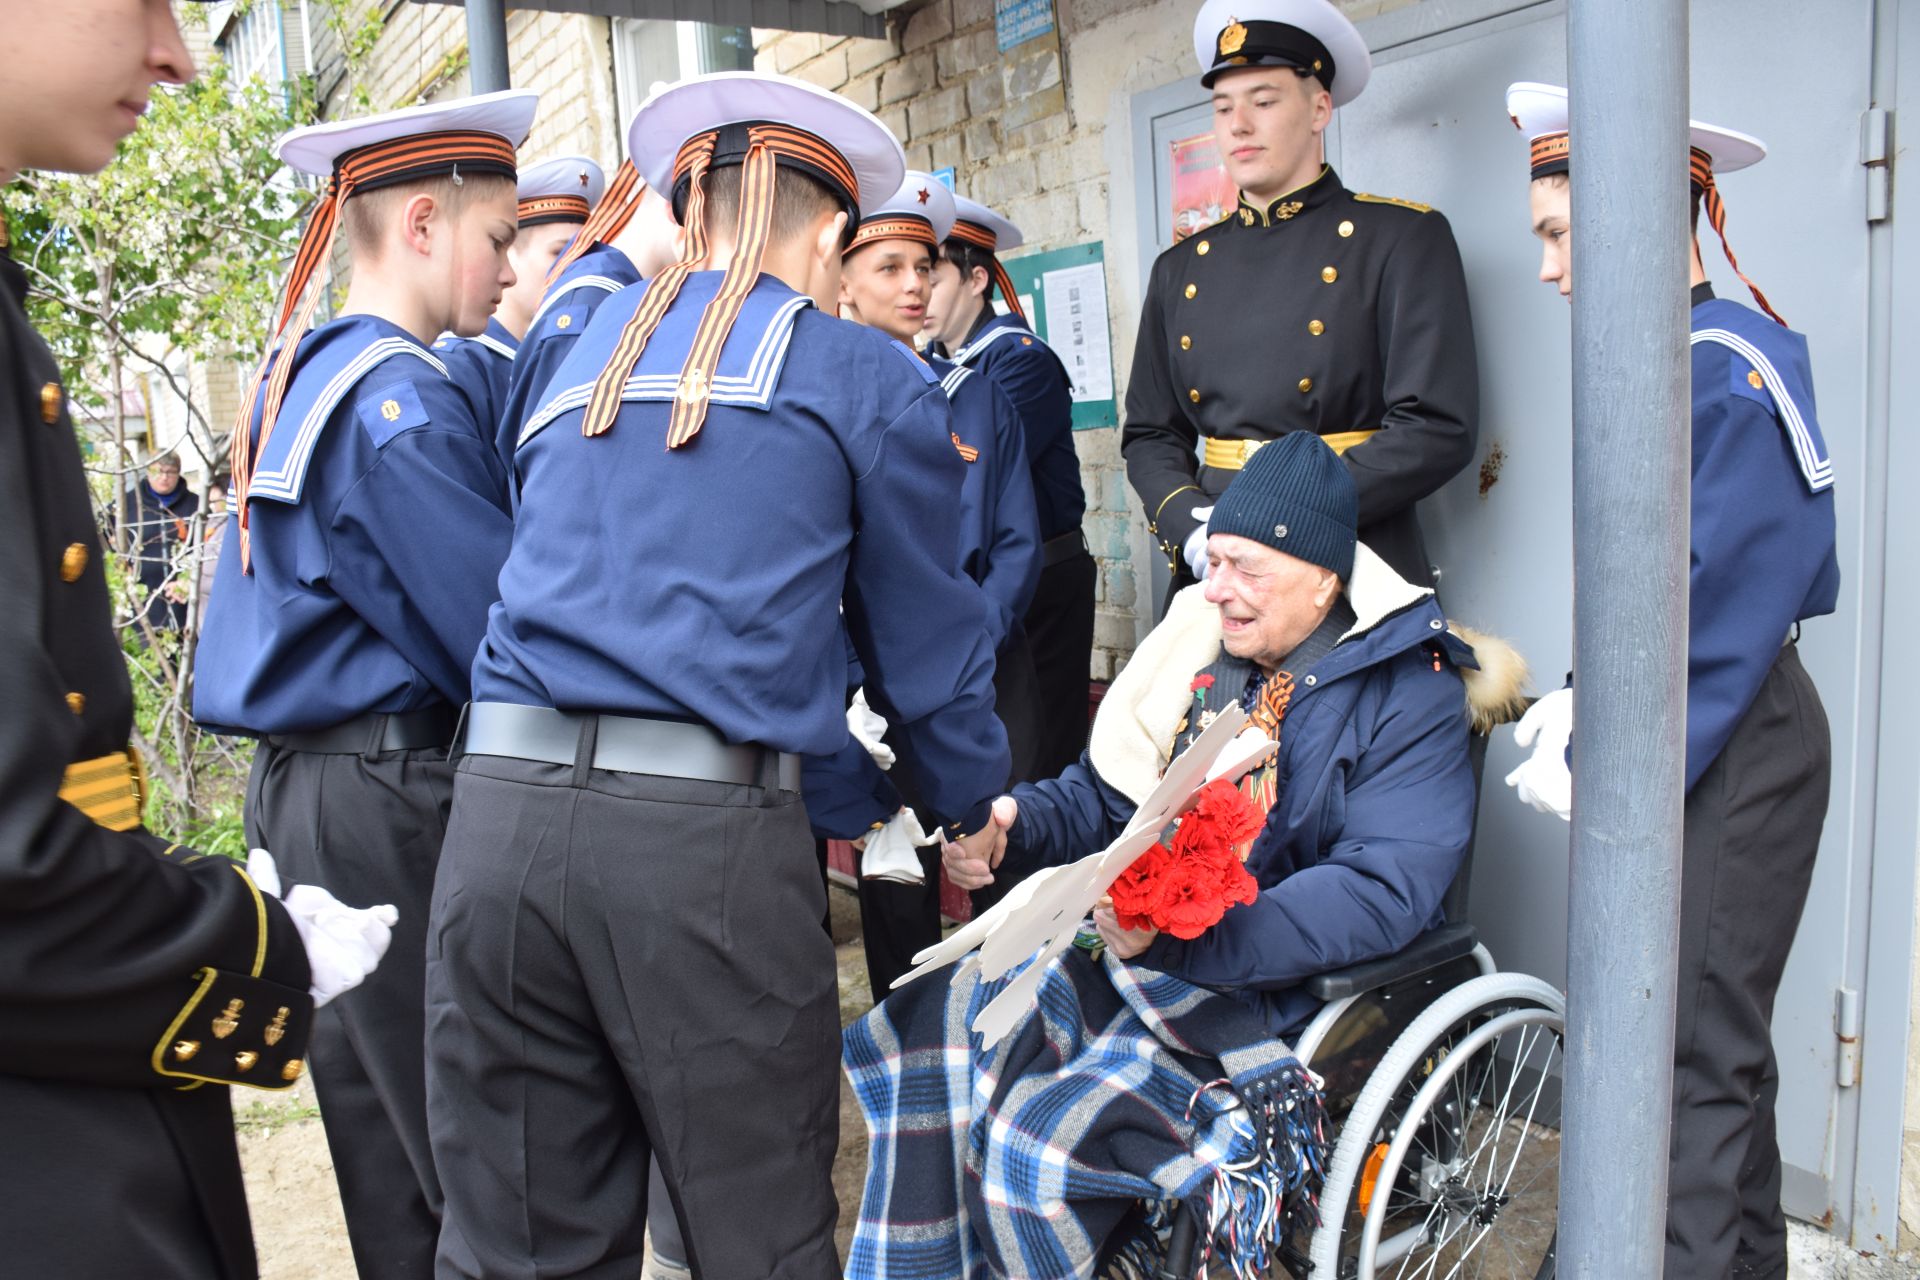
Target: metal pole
column 487, row 45
column 1627, row 81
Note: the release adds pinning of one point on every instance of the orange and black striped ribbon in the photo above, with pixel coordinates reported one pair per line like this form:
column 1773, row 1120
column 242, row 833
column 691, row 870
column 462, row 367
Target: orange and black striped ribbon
column 366, row 166
column 1546, row 149
column 1701, row 169
column 609, row 218
column 604, row 404
column 766, row 143
column 974, row 234
column 537, row 206
column 918, row 230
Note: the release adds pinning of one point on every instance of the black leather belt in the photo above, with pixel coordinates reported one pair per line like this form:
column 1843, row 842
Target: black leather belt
column 376, row 732
column 1062, row 547
column 625, row 744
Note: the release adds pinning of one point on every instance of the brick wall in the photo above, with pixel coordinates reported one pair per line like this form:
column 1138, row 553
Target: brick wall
column 1038, row 133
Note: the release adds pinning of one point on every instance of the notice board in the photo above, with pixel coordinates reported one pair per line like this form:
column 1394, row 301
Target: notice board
column 1064, row 293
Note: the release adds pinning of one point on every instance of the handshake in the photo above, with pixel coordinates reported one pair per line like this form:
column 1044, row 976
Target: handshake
column 344, row 944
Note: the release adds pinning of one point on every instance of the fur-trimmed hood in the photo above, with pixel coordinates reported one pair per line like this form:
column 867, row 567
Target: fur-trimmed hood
column 1134, row 731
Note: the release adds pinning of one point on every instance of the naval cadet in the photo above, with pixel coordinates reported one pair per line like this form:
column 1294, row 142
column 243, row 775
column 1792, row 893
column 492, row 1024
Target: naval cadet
column 627, row 807
column 555, row 199
column 966, row 329
column 1758, row 759
column 139, row 978
column 883, row 283
column 369, row 524
column 628, row 238
column 1309, row 307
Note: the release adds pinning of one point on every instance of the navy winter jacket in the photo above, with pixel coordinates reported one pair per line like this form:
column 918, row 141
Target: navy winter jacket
column 1373, row 816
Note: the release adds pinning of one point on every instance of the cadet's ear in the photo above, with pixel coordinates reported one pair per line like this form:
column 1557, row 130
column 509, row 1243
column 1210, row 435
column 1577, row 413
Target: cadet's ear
column 978, row 282
column 417, row 218
column 832, row 236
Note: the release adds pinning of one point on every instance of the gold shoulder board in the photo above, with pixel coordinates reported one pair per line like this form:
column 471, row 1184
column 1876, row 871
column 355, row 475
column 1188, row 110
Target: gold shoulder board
column 1414, row 205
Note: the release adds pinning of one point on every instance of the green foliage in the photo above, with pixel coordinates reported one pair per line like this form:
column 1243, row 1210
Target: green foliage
column 181, row 236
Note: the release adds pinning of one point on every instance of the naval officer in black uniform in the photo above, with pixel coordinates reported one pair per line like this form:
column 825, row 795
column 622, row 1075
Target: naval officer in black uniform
column 1308, row 308
column 138, row 978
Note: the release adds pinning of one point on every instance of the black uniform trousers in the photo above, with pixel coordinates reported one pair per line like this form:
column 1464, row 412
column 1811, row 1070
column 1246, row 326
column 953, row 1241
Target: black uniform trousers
column 621, row 966
column 1059, row 626
column 1752, row 829
column 898, row 921
column 368, row 829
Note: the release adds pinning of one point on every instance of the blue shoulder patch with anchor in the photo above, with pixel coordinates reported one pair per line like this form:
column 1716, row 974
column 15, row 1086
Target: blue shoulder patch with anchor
column 920, row 366
column 388, row 412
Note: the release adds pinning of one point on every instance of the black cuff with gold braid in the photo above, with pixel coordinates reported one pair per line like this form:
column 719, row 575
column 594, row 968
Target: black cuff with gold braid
column 237, row 1030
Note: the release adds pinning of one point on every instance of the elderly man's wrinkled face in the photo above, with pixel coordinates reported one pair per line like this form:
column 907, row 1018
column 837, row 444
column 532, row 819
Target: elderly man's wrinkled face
column 1269, row 601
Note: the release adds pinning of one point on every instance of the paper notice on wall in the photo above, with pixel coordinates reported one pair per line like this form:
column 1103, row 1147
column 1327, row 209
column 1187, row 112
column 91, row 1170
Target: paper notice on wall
column 1076, row 302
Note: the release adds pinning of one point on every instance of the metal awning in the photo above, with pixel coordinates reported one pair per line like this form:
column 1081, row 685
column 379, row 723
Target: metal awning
column 828, row 17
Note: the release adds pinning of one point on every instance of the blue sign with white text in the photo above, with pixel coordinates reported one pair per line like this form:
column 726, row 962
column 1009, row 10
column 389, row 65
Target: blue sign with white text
column 1017, row 21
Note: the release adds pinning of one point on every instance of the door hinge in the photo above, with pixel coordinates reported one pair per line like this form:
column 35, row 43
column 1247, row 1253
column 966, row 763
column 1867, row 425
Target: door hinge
column 1876, row 155
column 1846, row 1028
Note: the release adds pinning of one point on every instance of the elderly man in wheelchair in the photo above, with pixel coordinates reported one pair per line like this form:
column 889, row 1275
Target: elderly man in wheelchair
column 1331, row 1079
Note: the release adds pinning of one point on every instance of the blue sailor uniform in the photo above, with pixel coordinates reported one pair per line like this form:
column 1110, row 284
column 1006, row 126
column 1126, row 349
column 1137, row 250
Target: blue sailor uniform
column 378, row 523
column 1763, row 540
column 1059, row 620
column 377, row 535
column 482, row 366
column 738, row 649
column 568, row 304
column 1758, row 764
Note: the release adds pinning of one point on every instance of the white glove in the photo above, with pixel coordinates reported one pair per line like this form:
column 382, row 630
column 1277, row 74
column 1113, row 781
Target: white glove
column 892, row 852
column 1196, row 549
column 344, row 944
column 868, row 727
column 1543, row 780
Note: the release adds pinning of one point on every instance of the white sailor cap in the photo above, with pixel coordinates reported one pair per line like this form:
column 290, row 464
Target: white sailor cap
column 472, row 135
column 921, row 210
column 1310, row 35
column 978, row 225
column 807, row 128
column 563, row 190
column 1540, row 111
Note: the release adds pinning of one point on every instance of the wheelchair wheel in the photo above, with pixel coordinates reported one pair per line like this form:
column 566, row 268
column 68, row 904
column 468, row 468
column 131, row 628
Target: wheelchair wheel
column 1448, row 1163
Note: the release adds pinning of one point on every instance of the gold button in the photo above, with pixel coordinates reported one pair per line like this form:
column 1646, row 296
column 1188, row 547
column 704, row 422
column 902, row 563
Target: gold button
column 1186, row 343
column 245, row 1059
column 1306, row 384
column 1315, row 328
column 292, row 1070
column 1753, row 378
column 73, row 562
column 50, row 402
column 1329, row 274
column 77, row 703
column 1191, row 290
column 1202, row 248
column 1194, row 395
column 1346, row 228
column 564, row 322
column 184, row 1049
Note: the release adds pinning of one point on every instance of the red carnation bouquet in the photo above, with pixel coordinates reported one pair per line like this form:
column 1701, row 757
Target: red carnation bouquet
column 1185, row 886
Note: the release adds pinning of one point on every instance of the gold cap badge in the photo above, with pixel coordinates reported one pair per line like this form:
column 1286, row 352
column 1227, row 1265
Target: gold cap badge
column 1232, row 38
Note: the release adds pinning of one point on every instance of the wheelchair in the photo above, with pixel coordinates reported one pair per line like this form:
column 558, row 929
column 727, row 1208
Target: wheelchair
column 1442, row 1087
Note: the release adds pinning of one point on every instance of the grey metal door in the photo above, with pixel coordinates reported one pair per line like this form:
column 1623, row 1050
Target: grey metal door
column 1432, row 127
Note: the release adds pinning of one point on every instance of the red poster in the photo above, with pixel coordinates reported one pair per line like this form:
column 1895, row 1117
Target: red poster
column 1202, row 195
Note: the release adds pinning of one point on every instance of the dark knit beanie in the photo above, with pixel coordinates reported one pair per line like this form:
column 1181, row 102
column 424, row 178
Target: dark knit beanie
column 1295, row 496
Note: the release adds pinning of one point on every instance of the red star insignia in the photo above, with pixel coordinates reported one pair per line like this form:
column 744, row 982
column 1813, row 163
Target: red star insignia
column 923, row 195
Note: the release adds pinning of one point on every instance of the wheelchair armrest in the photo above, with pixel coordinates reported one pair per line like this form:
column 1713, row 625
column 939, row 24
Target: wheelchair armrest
column 1428, row 951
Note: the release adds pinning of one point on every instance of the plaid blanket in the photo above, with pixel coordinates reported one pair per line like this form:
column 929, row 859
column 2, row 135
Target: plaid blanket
column 1033, row 1159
